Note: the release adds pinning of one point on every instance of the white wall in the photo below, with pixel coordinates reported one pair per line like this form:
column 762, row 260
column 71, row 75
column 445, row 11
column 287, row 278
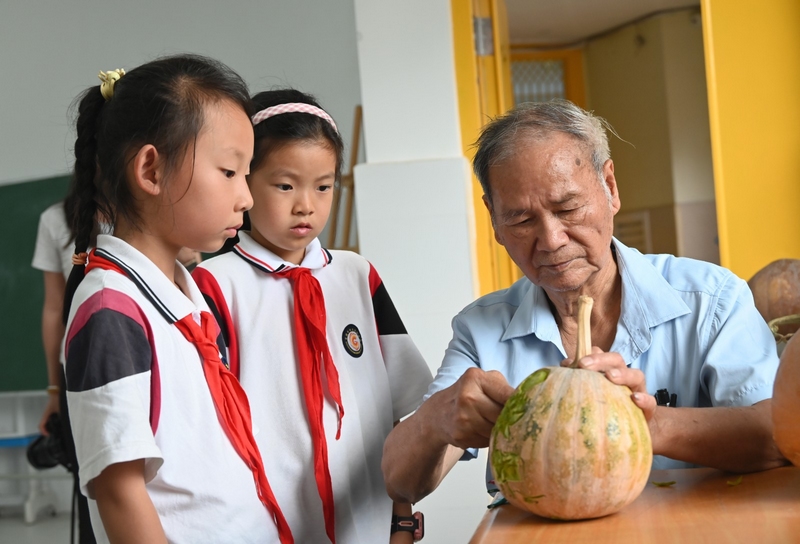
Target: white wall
column 415, row 205
column 50, row 50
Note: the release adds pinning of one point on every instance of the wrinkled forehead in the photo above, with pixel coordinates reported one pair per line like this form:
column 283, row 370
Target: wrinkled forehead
column 536, row 153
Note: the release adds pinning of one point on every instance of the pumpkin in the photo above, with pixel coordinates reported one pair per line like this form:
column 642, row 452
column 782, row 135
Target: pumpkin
column 786, row 402
column 776, row 291
column 569, row 444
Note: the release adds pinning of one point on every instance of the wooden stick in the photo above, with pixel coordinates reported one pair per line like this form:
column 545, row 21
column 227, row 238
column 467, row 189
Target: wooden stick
column 584, row 328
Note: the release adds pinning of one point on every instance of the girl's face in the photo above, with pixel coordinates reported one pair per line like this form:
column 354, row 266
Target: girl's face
column 209, row 195
column 292, row 194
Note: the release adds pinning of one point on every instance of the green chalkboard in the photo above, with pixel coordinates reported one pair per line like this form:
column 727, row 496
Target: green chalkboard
column 22, row 363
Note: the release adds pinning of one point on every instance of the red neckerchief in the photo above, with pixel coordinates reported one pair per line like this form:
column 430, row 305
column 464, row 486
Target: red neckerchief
column 230, row 400
column 314, row 357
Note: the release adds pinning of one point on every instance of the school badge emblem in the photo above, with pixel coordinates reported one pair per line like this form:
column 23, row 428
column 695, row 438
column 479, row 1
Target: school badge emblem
column 351, row 338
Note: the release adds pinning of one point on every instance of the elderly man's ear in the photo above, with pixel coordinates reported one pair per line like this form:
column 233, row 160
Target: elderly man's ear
column 488, row 204
column 611, row 183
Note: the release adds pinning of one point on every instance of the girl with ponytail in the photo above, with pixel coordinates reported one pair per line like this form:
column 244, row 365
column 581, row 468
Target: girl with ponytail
column 162, row 429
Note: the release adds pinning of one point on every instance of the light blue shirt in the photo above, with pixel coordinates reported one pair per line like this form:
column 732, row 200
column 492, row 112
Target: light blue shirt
column 690, row 326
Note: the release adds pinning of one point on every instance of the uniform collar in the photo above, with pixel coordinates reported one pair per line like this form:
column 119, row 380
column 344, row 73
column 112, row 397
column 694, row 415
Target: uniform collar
column 254, row 253
column 170, row 301
column 646, row 302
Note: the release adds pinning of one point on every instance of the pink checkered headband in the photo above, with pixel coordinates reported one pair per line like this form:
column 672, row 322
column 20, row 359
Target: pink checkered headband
column 292, row 107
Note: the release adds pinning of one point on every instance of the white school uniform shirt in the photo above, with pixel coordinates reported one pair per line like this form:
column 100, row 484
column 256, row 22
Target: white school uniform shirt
column 382, row 377
column 53, row 251
column 136, row 390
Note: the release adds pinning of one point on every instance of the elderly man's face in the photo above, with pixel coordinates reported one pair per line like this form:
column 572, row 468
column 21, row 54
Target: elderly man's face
column 551, row 213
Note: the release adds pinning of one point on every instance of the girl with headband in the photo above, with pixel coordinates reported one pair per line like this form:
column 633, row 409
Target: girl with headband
column 162, row 428
column 313, row 336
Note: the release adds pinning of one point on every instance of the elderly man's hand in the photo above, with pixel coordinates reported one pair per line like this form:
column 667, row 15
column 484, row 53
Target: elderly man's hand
column 614, row 367
column 467, row 410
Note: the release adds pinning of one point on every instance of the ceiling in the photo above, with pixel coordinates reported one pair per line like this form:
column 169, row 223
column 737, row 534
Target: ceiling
column 551, row 22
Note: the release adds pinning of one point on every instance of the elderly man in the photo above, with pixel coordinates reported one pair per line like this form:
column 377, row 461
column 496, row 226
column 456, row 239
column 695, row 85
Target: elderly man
column 659, row 322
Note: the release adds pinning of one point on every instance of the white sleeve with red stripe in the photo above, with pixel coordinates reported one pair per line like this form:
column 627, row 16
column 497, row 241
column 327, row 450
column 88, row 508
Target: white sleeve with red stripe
column 409, row 375
column 112, row 385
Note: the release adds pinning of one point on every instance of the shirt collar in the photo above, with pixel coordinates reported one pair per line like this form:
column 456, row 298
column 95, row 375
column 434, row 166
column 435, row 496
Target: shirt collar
column 254, row 253
column 173, row 303
column 646, row 303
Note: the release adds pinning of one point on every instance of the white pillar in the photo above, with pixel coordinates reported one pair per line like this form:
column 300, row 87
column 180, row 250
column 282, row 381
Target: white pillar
column 414, row 200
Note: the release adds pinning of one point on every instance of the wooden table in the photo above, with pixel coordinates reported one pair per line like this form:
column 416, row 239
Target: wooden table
column 701, row 507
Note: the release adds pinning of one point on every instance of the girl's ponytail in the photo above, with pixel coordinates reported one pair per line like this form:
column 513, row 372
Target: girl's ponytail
column 81, row 203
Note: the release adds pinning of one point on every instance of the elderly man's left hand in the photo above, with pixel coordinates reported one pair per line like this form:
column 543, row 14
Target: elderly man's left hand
column 617, row 371
column 738, row 439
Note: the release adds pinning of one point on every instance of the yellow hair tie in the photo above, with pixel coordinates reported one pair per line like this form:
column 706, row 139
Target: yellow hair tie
column 108, row 80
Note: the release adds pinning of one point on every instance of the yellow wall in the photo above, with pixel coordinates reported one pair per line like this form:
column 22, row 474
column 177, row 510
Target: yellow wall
column 625, row 80
column 753, row 72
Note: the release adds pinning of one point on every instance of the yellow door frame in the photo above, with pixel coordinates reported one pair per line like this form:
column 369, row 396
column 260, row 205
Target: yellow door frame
column 484, row 92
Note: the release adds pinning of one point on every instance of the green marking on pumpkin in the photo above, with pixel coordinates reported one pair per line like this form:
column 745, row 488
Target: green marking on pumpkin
column 534, row 500
column 505, row 466
column 612, row 429
column 534, row 379
column 517, row 404
column 515, row 408
column 532, row 430
column 737, row 481
column 586, row 427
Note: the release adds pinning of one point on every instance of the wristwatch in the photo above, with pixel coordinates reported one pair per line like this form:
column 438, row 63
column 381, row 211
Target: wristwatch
column 414, row 524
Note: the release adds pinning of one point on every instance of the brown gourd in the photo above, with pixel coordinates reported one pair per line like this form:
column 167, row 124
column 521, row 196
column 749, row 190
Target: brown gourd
column 776, row 292
column 786, row 402
column 569, row 444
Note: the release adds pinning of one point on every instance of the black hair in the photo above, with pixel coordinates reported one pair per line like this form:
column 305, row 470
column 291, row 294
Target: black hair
column 285, row 128
column 159, row 103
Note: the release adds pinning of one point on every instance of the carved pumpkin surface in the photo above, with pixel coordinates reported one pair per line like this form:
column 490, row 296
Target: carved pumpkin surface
column 569, row 444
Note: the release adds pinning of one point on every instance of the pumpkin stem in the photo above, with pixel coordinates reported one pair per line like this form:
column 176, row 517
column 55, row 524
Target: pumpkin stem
column 584, row 328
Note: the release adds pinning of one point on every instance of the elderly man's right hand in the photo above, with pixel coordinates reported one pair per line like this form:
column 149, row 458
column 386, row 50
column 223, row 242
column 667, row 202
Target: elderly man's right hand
column 466, row 411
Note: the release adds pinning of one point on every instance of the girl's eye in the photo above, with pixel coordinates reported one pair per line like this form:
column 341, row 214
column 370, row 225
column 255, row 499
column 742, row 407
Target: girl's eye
column 284, row 187
column 324, row 188
column 229, row 174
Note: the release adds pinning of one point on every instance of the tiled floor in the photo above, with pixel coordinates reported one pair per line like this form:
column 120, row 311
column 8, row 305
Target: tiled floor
column 46, row 530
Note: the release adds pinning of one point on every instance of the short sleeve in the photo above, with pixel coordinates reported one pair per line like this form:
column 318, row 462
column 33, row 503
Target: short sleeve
column 458, row 358
column 47, row 254
column 409, row 375
column 109, row 361
column 741, row 362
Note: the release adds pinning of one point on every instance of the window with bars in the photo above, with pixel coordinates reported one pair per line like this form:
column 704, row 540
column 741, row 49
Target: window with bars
column 537, row 80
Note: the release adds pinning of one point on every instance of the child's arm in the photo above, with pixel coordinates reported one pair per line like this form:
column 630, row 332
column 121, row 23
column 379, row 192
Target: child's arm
column 52, row 335
column 125, row 507
column 401, row 537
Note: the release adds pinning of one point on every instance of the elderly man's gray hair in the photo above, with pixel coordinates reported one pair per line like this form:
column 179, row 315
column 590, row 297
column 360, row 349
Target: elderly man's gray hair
column 535, row 122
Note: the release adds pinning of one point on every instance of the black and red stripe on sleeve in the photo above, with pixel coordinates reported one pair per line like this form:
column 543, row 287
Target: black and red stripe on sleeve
column 386, row 316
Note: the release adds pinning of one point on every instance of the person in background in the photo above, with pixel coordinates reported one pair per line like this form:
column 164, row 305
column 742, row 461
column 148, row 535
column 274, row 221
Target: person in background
column 162, row 429
column 53, row 256
column 314, row 337
column 659, row 322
